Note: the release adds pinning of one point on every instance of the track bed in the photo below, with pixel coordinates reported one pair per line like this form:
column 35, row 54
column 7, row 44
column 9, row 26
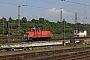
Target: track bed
column 51, row 55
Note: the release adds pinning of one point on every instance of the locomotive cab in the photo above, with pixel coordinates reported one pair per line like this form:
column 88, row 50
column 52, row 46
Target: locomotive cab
column 37, row 30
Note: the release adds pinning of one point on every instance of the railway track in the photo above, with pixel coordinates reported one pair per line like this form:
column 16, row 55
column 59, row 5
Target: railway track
column 3, row 39
column 64, row 54
column 15, row 39
column 22, row 44
column 77, row 56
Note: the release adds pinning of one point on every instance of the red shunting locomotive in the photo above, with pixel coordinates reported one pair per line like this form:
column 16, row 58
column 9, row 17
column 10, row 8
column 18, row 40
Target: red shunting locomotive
column 37, row 33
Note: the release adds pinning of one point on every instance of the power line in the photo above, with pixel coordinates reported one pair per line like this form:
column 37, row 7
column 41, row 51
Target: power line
column 25, row 4
column 8, row 3
column 76, row 3
column 49, row 2
column 29, row 6
column 19, row 3
column 15, row 1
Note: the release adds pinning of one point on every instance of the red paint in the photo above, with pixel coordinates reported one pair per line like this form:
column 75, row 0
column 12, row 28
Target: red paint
column 35, row 33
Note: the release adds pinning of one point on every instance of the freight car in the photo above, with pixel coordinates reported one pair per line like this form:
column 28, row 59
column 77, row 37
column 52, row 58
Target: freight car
column 37, row 34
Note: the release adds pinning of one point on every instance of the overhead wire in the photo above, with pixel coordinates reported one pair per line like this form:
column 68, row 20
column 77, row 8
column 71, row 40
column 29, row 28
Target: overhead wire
column 79, row 4
column 50, row 2
column 32, row 6
column 16, row 3
column 39, row 7
column 8, row 3
column 76, row 3
column 28, row 6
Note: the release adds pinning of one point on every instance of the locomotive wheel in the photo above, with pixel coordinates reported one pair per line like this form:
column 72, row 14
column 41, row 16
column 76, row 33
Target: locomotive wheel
column 31, row 39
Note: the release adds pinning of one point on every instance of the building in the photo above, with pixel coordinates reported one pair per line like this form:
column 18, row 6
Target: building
column 80, row 32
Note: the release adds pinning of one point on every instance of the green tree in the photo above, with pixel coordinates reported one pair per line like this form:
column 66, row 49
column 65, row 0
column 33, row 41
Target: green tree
column 24, row 20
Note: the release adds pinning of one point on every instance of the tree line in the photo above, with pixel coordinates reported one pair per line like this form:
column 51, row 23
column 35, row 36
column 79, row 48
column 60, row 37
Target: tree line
column 57, row 28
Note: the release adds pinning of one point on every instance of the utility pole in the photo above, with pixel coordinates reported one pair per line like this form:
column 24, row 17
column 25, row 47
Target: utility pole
column 63, row 26
column 60, row 14
column 8, row 33
column 83, row 22
column 75, row 20
column 61, row 20
column 19, row 19
column 64, row 32
column 3, row 26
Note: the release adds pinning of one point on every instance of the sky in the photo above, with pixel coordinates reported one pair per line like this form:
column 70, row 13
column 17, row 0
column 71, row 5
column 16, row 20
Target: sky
column 48, row 9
